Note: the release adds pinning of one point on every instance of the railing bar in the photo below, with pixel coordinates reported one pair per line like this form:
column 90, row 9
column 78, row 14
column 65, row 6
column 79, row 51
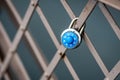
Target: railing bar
column 72, row 71
column 16, row 63
column 56, row 59
column 18, row 37
column 28, row 37
column 87, row 10
column 110, row 19
column 114, row 72
column 39, row 55
column 113, row 3
column 13, row 9
column 68, row 9
column 6, row 76
column 95, row 54
column 53, row 37
column 48, row 27
column 37, row 52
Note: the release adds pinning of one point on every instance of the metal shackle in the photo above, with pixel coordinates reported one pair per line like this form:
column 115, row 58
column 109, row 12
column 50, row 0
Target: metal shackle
column 71, row 38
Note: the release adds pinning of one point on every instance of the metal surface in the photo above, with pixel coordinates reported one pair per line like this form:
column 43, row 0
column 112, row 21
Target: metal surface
column 86, row 12
column 114, row 72
column 53, row 37
column 62, row 50
column 91, row 48
column 18, row 37
column 16, row 63
column 48, row 69
column 6, row 76
column 110, row 19
column 113, row 3
column 36, row 52
column 88, row 42
column 95, row 54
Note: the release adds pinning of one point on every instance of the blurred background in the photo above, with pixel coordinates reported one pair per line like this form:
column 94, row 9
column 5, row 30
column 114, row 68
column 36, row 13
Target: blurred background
column 97, row 28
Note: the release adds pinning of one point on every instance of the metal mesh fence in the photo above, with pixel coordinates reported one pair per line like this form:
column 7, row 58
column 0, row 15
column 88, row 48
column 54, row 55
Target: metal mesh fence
column 10, row 48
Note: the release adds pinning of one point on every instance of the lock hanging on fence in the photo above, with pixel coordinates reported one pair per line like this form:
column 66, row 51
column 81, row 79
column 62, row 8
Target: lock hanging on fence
column 71, row 38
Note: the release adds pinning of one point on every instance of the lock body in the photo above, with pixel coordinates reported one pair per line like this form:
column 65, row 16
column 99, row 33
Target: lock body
column 71, row 38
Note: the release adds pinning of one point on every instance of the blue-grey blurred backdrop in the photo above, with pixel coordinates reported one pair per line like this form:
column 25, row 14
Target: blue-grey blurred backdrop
column 97, row 28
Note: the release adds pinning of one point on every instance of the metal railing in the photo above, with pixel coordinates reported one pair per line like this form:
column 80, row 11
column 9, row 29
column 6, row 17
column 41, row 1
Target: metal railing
column 12, row 58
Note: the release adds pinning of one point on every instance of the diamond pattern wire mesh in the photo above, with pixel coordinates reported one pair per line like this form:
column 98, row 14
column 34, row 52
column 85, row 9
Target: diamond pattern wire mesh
column 60, row 53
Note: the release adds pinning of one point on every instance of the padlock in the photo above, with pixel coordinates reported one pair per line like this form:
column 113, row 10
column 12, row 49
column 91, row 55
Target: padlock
column 71, row 38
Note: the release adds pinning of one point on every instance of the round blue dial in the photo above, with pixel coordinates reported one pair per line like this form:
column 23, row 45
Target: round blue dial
column 70, row 39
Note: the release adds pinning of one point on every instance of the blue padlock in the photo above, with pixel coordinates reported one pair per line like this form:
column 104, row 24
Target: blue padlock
column 71, row 38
